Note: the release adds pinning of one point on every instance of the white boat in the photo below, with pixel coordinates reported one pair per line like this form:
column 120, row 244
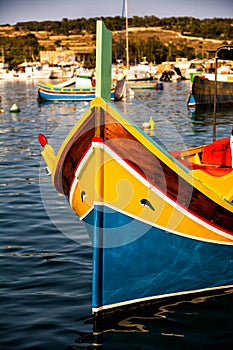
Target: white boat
column 4, row 70
column 135, row 73
column 27, row 70
column 228, row 77
column 190, row 68
column 68, row 70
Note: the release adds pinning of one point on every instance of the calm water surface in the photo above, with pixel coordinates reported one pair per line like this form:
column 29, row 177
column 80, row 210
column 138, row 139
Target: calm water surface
column 45, row 252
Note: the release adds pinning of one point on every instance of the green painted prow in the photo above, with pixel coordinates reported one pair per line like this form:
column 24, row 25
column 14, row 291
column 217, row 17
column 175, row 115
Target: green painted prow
column 103, row 61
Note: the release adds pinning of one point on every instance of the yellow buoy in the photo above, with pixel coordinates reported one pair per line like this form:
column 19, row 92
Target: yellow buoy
column 151, row 123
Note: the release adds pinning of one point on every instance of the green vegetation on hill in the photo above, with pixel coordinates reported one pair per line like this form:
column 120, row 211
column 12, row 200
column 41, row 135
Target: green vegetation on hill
column 218, row 28
column 19, row 47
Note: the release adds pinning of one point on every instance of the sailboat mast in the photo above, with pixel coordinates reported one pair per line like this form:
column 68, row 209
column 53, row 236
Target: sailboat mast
column 127, row 38
column 3, row 55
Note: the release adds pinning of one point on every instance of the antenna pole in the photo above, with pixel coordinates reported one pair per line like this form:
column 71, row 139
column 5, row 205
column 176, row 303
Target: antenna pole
column 126, row 33
column 215, row 98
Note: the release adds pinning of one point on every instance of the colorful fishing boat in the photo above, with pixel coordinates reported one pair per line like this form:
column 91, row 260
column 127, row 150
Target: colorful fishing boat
column 79, row 92
column 160, row 223
column 211, row 91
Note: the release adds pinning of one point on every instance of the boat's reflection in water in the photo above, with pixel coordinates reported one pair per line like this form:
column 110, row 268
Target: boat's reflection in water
column 184, row 323
column 203, row 115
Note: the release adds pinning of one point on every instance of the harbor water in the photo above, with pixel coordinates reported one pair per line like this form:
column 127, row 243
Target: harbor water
column 46, row 253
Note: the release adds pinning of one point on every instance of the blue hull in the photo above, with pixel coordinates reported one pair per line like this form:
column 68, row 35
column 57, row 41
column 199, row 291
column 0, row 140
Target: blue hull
column 49, row 96
column 152, row 265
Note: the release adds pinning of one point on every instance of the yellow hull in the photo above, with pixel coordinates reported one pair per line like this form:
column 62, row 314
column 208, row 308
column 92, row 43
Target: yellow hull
column 124, row 189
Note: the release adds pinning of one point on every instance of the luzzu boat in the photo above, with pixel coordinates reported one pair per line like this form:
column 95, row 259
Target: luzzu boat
column 160, row 223
column 84, row 92
column 50, row 92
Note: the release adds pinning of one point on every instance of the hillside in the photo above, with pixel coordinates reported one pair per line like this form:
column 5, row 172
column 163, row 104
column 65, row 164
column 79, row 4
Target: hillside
column 171, row 42
column 87, row 41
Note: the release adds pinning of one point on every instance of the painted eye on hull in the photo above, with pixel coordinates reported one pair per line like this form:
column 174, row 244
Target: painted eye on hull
column 145, row 203
column 83, row 196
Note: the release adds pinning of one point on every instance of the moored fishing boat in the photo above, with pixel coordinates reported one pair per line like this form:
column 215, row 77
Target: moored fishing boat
column 160, row 223
column 77, row 89
column 203, row 92
column 218, row 89
column 79, row 92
